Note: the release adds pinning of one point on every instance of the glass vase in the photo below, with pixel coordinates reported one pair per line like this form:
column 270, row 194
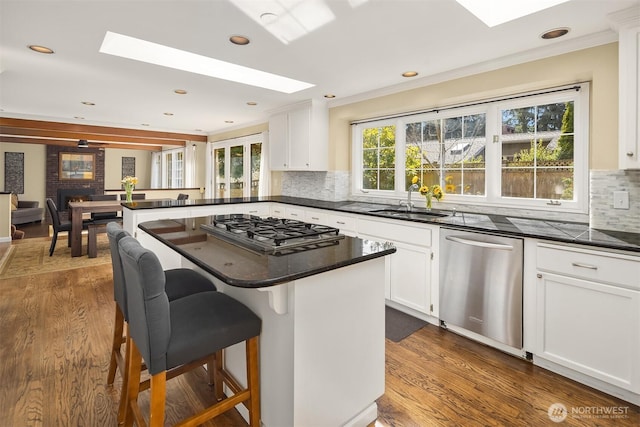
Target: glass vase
column 129, row 192
column 428, row 203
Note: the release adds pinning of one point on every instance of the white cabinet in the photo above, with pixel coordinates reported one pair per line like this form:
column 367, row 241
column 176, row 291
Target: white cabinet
column 345, row 223
column 628, row 23
column 257, row 209
column 588, row 314
column 298, row 138
column 411, row 268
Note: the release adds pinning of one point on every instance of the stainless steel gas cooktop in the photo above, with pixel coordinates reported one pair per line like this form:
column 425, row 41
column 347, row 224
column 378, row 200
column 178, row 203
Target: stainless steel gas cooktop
column 272, row 235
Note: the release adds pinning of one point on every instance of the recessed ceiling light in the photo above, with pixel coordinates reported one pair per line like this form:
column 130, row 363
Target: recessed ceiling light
column 168, row 114
column 554, row 34
column 78, row 117
column 228, row 121
column 239, row 40
column 40, row 49
column 180, row 91
column 88, row 103
column 409, row 74
column 496, row 12
column 153, row 53
column 252, row 103
column 329, row 96
column 144, row 124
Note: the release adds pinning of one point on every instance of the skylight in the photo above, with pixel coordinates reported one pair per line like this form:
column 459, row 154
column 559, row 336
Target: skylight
column 153, row 53
column 287, row 20
column 496, row 12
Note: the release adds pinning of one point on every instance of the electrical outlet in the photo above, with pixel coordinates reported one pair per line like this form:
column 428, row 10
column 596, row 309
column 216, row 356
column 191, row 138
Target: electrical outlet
column 620, row 200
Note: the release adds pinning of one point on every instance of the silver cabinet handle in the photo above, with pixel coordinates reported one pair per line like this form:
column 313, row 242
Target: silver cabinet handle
column 315, row 218
column 480, row 244
column 340, row 222
column 629, row 153
column 589, row 266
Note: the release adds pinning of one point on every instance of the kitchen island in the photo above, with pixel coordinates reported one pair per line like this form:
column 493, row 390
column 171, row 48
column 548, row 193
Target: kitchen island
column 322, row 344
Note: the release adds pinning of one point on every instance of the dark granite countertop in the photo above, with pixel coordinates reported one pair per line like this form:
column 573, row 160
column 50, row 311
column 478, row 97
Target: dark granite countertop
column 553, row 230
column 245, row 268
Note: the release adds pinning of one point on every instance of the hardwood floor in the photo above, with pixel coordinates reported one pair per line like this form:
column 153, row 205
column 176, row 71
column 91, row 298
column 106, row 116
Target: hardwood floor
column 54, row 355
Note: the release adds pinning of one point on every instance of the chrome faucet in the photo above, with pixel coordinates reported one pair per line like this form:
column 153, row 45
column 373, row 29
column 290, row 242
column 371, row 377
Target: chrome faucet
column 408, row 203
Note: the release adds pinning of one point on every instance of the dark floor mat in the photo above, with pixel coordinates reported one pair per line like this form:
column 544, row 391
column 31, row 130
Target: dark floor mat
column 399, row 325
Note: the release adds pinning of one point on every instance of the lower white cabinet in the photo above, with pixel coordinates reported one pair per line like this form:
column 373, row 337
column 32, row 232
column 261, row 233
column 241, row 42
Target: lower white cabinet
column 588, row 314
column 410, row 277
column 411, row 268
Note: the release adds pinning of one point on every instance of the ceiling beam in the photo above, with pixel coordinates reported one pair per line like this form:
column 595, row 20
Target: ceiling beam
column 63, row 143
column 67, row 134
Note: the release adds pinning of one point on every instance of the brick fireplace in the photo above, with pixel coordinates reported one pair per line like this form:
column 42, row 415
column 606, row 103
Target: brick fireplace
column 64, row 190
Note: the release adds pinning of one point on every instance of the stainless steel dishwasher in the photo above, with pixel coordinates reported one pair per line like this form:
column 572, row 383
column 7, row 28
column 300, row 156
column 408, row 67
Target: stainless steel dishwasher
column 481, row 284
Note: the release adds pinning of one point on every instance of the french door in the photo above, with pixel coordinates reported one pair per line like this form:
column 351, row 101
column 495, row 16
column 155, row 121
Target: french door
column 237, row 168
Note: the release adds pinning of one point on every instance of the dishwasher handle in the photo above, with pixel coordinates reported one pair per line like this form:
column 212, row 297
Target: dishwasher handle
column 488, row 245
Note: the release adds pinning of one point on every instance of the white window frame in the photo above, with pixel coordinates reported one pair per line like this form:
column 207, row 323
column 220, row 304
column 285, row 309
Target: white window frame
column 493, row 152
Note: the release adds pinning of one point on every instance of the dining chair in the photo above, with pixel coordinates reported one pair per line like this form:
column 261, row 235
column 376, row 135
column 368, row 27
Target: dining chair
column 59, row 225
column 179, row 282
column 166, row 335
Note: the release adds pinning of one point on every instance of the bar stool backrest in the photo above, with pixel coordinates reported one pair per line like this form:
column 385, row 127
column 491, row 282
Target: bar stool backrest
column 147, row 303
column 115, row 233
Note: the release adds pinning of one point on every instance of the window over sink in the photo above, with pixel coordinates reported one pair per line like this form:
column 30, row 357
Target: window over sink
column 527, row 151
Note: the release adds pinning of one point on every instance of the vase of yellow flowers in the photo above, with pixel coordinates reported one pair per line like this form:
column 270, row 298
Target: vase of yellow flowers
column 129, row 183
column 429, row 192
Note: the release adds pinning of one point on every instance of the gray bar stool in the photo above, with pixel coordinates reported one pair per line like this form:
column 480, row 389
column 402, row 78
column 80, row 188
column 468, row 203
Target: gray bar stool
column 169, row 334
column 179, row 282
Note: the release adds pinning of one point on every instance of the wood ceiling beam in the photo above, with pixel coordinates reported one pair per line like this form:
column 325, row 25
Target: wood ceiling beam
column 24, row 127
column 63, row 143
column 74, row 136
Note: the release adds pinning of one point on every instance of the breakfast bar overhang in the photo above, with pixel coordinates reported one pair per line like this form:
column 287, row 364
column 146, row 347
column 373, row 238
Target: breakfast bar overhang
column 322, row 346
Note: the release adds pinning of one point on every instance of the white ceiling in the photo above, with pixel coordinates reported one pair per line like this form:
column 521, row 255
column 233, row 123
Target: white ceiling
column 361, row 51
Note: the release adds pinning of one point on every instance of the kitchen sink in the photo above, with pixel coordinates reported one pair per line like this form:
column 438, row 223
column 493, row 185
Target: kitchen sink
column 413, row 214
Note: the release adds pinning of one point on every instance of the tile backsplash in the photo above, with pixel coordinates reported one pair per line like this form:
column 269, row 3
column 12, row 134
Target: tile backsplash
column 335, row 186
column 602, row 214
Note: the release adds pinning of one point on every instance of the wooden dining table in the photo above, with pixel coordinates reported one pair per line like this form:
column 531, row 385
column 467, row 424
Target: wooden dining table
column 76, row 209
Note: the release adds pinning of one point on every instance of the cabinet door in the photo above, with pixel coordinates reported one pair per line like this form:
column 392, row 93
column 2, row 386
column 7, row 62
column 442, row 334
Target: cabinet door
column 629, row 69
column 278, row 140
column 590, row 327
column 299, row 138
column 410, row 273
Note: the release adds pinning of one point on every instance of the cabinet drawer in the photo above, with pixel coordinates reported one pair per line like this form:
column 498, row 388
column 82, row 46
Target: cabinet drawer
column 344, row 223
column 396, row 232
column 582, row 263
column 294, row 213
column 316, row 217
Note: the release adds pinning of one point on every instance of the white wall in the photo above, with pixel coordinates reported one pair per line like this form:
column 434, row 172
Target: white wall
column 35, row 157
column 113, row 167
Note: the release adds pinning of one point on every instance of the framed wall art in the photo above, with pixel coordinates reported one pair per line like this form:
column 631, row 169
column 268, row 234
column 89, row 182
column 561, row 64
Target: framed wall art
column 14, row 172
column 128, row 166
column 76, row 166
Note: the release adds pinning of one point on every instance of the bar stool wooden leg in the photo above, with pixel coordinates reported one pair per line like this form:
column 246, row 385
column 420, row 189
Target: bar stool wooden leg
column 217, row 377
column 116, row 344
column 158, row 396
column 211, row 368
column 134, row 365
column 253, row 381
column 122, row 409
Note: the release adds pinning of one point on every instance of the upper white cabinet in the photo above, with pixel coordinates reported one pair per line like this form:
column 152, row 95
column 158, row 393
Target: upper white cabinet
column 628, row 25
column 298, row 137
